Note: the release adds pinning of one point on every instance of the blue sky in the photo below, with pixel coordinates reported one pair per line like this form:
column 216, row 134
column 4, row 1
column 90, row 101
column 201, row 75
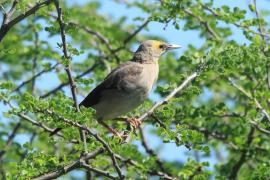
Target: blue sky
column 110, row 8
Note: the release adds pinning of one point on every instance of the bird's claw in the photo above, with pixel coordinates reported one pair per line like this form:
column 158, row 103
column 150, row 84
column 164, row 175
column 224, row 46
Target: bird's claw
column 134, row 122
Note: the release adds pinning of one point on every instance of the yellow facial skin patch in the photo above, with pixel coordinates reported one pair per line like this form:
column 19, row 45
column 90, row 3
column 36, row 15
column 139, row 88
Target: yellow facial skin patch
column 156, row 44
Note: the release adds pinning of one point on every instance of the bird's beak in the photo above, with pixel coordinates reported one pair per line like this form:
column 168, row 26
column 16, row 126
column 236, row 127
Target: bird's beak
column 173, row 46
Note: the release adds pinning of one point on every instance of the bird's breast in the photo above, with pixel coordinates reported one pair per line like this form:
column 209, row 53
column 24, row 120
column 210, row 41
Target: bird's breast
column 148, row 77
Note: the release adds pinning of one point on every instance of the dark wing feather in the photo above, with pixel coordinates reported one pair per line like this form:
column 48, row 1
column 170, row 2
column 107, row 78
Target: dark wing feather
column 114, row 80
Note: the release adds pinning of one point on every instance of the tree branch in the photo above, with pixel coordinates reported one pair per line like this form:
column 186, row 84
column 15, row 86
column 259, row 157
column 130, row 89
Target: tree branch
column 260, row 29
column 241, row 161
column 151, row 172
column 95, row 135
column 256, row 125
column 10, row 139
column 8, row 24
column 98, row 171
column 74, row 165
column 60, row 86
column 102, row 38
column 171, row 95
column 204, row 23
column 7, row 15
column 34, row 77
column 132, row 35
column 257, row 104
column 68, row 68
column 32, row 121
column 64, row 44
column 149, row 150
column 235, row 24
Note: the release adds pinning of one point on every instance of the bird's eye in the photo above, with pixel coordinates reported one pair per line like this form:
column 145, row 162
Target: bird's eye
column 162, row 46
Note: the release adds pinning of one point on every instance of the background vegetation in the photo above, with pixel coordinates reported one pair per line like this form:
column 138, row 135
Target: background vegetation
column 214, row 100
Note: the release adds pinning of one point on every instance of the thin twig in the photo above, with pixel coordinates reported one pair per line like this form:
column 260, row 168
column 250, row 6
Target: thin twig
column 149, row 150
column 260, row 29
column 12, row 9
column 34, row 77
column 102, row 38
column 204, row 23
column 132, row 35
column 235, row 24
column 215, row 135
column 39, row 124
column 60, row 86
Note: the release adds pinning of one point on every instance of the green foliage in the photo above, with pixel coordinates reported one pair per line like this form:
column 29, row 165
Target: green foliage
column 222, row 115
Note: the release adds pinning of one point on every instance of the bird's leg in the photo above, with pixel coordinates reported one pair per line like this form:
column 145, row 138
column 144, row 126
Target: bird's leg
column 109, row 128
column 121, row 136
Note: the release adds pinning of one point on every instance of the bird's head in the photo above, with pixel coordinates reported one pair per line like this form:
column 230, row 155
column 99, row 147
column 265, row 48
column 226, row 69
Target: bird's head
column 151, row 50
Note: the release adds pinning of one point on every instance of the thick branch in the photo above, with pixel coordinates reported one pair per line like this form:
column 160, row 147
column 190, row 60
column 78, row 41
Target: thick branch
column 243, row 157
column 10, row 138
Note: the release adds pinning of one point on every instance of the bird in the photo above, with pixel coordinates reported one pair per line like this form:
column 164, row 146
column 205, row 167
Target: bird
column 128, row 85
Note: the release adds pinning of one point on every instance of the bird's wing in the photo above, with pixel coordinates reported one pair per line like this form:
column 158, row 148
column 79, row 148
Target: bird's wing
column 121, row 78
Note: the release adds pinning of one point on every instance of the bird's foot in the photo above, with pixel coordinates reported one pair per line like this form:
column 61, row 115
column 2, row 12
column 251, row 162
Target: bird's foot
column 123, row 136
column 134, row 122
